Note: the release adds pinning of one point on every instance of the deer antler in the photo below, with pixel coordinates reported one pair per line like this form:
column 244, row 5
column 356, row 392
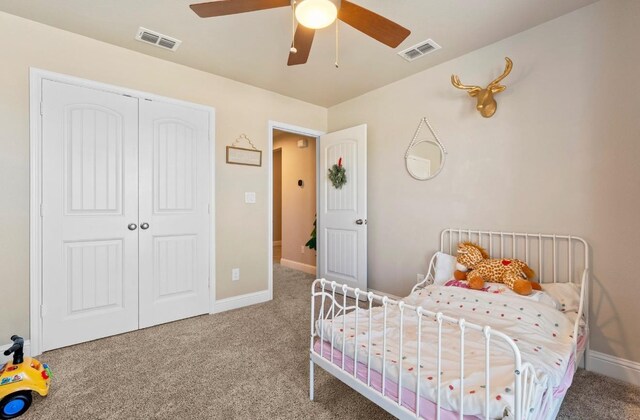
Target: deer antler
column 473, row 90
column 507, row 70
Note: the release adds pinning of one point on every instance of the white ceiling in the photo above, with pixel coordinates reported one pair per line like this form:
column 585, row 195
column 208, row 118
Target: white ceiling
column 253, row 47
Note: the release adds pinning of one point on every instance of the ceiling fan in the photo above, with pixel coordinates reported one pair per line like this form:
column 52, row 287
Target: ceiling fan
column 312, row 15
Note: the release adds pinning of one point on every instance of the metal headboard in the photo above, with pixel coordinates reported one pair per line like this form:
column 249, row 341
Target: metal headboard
column 555, row 258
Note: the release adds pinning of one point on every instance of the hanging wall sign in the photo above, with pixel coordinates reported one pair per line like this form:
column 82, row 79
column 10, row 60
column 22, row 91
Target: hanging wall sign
column 242, row 155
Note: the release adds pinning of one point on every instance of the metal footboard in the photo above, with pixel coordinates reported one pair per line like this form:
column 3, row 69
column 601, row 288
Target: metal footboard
column 329, row 301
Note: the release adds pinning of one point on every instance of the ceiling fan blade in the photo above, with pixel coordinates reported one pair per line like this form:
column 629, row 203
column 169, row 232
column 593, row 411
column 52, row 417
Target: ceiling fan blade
column 377, row 27
column 302, row 41
column 231, row 7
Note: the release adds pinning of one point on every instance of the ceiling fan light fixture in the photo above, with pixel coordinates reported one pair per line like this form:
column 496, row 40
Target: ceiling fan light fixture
column 316, row 14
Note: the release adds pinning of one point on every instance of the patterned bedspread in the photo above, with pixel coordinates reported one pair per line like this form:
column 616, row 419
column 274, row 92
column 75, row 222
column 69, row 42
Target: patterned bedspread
column 542, row 333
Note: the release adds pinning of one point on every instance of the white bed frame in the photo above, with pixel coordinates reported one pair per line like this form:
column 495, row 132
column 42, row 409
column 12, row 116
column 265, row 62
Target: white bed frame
column 556, row 259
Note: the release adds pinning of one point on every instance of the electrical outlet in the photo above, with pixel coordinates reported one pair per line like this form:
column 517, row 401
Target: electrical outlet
column 302, row 249
column 235, row 274
column 420, row 277
column 250, row 197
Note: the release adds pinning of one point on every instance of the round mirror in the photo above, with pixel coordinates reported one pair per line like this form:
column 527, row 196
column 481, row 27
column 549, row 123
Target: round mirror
column 425, row 160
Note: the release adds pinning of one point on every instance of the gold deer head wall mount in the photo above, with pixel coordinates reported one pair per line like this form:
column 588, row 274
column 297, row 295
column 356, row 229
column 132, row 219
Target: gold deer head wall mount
column 486, row 103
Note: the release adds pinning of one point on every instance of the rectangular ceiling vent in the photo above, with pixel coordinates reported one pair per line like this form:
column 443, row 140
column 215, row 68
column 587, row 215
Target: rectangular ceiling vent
column 157, row 39
column 419, row 50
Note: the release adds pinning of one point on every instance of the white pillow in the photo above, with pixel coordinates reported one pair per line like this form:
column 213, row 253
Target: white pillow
column 566, row 294
column 445, row 266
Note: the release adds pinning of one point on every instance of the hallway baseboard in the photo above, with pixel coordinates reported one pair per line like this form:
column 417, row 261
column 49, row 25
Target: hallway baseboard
column 306, row 268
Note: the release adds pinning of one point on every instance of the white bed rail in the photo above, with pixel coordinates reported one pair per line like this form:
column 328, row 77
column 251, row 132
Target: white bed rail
column 332, row 306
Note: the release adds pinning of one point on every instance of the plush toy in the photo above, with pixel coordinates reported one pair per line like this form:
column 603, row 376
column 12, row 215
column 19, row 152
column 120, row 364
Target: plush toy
column 474, row 265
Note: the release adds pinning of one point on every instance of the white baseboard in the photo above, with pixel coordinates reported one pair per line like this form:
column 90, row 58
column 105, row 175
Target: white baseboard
column 235, row 302
column 310, row 269
column 614, row 367
column 27, row 350
column 276, row 243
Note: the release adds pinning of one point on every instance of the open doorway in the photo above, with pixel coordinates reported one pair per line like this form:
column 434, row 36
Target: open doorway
column 277, row 205
column 294, row 200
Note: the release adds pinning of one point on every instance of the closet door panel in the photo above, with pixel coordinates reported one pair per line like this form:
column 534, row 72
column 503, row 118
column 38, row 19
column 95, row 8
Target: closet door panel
column 174, row 200
column 90, row 196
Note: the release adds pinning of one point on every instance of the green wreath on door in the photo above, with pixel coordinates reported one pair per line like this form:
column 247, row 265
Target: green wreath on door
column 338, row 175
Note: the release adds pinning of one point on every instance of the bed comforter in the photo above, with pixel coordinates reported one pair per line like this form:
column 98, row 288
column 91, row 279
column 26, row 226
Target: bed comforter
column 542, row 333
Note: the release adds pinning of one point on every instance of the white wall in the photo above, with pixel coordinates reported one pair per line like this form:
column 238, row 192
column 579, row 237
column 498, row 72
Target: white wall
column 560, row 155
column 298, row 203
column 240, row 108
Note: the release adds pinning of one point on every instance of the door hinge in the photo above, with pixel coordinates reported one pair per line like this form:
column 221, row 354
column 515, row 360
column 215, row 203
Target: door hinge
column 41, row 210
column 41, row 108
column 43, row 311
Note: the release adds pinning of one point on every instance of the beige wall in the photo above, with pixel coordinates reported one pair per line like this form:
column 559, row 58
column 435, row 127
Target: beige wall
column 277, row 195
column 298, row 204
column 240, row 108
column 560, row 155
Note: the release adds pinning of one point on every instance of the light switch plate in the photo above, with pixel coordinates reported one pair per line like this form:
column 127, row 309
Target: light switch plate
column 250, row 197
column 235, row 274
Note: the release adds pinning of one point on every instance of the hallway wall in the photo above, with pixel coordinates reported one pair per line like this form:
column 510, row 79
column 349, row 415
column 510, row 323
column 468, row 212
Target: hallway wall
column 298, row 203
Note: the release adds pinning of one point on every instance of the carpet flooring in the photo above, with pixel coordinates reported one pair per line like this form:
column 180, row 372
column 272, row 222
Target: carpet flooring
column 250, row 363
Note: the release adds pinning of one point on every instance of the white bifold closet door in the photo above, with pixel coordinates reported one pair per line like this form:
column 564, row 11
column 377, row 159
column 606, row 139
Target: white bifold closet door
column 90, row 257
column 174, row 203
column 125, row 213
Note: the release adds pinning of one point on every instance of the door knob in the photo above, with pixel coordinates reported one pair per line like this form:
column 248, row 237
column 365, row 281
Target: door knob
column 144, row 226
column 132, row 226
column 359, row 222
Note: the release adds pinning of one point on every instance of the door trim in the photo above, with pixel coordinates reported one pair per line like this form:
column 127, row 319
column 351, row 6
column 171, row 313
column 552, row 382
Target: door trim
column 292, row 129
column 36, row 76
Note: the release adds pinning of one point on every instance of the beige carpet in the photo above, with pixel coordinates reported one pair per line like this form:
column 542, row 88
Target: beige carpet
column 249, row 363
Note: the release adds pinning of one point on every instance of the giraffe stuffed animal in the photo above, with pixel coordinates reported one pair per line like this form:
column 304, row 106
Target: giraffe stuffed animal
column 474, row 265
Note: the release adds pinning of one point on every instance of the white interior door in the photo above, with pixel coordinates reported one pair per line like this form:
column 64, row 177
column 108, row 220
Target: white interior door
column 90, row 196
column 174, row 212
column 342, row 213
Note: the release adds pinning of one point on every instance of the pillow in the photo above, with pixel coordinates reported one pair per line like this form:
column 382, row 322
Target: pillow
column 445, row 266
column 566, row 294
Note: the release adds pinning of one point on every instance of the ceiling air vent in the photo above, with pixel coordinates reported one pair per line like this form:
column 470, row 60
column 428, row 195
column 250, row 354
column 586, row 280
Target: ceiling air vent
column 419, row 50
column 157, row 39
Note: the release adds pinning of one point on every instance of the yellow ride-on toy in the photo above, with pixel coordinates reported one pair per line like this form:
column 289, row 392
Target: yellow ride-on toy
column 19, row 378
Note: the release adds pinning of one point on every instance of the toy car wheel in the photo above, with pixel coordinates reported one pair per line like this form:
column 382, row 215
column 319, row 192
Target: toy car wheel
column 15, row 405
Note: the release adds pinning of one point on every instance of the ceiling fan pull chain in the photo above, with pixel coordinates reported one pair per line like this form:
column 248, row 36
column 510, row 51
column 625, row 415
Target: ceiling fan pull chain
column 293, row 27
column 337, row 44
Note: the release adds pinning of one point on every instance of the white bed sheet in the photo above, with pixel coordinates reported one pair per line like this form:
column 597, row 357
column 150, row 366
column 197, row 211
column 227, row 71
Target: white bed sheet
column 543, row 335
